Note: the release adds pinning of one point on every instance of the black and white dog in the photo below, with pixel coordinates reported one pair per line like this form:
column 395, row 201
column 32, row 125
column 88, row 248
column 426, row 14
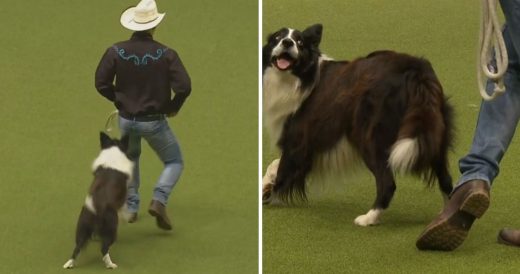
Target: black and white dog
column 106, row 197
column 386, row 109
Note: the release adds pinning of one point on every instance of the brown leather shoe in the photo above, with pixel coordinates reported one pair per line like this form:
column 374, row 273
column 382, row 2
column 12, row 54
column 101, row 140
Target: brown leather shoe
column 132, row 217
column 158, row 210
column 451, row 227
column 509, row 237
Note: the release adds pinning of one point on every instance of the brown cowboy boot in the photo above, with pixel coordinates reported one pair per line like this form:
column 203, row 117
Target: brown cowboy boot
column 509, row 237
column 451, row 227
column 158, row 210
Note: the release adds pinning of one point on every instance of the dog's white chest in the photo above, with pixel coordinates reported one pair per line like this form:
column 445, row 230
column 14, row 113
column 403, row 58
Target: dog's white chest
column 282, row 96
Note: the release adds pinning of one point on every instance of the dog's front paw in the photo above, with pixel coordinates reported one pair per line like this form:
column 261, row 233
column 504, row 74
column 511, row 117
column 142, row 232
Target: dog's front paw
column 268, row 181
column 371, row 218
column 69, row 264
column 266, row 194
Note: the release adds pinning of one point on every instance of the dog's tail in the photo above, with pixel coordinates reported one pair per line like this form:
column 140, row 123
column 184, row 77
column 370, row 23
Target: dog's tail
column 425, row 133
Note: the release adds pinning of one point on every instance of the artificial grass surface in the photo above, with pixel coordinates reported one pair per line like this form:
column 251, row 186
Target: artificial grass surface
column 320, row 237
column 51, row 116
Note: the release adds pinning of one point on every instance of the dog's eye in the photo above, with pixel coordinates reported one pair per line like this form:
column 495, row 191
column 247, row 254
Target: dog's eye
column 277, row 38
column 299, row 42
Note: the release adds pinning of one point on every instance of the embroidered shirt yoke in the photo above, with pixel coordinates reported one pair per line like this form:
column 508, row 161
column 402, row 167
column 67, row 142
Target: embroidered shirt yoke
column 145, row 73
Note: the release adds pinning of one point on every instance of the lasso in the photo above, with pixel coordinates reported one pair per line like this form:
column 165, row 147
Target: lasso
column 491, row 37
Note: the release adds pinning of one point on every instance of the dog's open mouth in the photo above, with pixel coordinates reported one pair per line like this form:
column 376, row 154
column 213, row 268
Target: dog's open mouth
column 284, row 61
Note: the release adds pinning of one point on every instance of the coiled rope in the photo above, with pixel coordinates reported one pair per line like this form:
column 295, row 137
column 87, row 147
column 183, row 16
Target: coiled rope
column 491, row 38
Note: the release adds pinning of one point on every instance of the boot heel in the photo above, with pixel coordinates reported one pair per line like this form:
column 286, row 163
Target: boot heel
column 476, row 204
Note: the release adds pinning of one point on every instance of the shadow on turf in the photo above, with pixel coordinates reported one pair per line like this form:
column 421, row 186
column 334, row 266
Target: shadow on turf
column 344, row 213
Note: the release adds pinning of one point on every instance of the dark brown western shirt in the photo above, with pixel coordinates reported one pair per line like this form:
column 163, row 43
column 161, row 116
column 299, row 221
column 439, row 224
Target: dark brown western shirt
column 145, row 73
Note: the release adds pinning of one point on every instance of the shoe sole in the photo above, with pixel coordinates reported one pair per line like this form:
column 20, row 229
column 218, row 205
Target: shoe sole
column 161, row 223
column 503, row 241
column 451, row 233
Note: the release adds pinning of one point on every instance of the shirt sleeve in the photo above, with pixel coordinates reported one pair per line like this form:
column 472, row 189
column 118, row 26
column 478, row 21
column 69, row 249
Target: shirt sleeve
column 180, row 83
column 105, row 74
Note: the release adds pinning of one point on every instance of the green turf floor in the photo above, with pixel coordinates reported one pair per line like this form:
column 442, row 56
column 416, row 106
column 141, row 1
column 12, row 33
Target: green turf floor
column 320, row 237
column 51, row 116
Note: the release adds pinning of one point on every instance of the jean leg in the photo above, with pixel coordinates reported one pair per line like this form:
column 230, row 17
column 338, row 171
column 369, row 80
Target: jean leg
column 164, row 143
column 495, row 126
column 134, row 152
column 511, row 9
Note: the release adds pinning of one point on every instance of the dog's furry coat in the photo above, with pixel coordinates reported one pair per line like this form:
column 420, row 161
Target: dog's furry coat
column 387, row 108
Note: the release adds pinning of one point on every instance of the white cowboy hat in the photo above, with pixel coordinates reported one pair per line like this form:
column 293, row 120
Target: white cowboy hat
column 144, row 16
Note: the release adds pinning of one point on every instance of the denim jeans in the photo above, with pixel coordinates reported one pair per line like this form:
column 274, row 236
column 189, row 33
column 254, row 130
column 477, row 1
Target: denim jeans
column 161, row 139
column 497, row 119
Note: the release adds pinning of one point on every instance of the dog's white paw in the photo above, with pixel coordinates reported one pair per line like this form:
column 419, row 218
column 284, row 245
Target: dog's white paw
column 111, row 266
column 267, row 192
column 364, row 220
column 371, row 218
column 268, row 181
column 108, row 262
column 124, row 214
column 69, row 264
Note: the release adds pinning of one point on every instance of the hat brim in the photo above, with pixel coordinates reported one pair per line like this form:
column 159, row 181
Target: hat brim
column 127, row 20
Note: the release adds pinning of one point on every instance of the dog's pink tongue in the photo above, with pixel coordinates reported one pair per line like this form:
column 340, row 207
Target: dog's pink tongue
column 283, row 63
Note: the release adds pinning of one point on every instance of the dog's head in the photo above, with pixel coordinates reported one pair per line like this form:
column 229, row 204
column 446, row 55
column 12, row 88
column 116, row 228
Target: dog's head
column 106, row 142
column 114, row 155
column 292, row 50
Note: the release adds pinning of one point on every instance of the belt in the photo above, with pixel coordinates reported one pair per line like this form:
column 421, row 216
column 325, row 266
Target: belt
column 143, row 118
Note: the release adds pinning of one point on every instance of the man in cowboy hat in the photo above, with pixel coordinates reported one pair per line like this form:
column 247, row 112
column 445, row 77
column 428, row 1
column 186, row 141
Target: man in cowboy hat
column 145, row 73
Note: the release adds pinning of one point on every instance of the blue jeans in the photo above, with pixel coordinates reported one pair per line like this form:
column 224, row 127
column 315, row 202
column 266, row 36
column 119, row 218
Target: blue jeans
column 161, row 139
column 497, row 119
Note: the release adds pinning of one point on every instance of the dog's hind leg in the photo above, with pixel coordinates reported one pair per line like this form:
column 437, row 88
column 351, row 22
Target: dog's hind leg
column 108, row 262
column 108, row 233
column 84, row 230
column 444, row 177
column 268, row 181
column 385, row 185
column 107, row 241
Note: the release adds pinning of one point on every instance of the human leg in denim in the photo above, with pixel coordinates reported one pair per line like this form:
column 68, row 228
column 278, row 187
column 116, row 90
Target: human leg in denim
column 498, row 118
column 162, row 140
column 128, row 127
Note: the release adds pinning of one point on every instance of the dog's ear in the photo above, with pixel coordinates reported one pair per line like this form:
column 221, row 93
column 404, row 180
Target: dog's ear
column 104, row 140
column 266, row 57
column 271, row 37
column 125, row 140
column 312, row 34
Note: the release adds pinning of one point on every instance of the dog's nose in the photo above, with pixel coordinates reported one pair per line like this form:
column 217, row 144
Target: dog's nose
column 287, row 43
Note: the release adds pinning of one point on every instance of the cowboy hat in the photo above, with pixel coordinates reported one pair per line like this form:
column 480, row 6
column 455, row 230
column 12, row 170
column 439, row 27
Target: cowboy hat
column 144, row 16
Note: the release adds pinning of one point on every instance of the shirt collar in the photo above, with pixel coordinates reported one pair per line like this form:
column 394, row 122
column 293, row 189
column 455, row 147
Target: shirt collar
column 141, row 35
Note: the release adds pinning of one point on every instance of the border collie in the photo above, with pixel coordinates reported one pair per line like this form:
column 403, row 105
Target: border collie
column 106, row 197
column 386, row 109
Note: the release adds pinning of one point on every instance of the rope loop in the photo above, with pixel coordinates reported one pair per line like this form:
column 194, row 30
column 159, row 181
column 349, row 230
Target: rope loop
column 110, row 121
column 491, row 38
